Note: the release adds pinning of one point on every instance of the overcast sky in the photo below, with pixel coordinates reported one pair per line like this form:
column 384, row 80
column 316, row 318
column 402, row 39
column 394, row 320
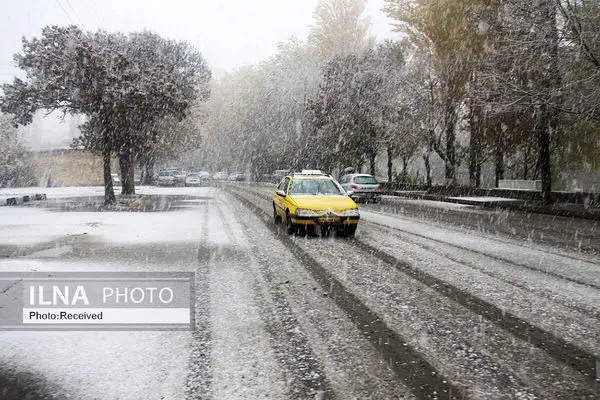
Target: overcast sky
column 229, row 33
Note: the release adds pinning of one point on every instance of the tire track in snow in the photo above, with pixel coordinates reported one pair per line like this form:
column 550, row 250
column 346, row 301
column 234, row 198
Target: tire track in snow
column 572, row 233
column 302, row 373
column 353, row 367
column 242, row 364
column 199, row 380
column 562, row 351
column 493, row 256
column 577, row 359
column 559, row 349
column 404, row 236
column 418, row 374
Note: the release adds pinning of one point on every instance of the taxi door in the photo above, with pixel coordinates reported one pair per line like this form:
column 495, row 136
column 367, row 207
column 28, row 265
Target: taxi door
column 280, row 201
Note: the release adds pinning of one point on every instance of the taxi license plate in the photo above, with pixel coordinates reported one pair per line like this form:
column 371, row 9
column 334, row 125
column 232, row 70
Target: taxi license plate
column 328, row 220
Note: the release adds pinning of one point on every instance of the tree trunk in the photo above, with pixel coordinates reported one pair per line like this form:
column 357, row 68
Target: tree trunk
column 542, row 132
column 475, row 147
column 109, row 193
column 499, row 165
column 126, row 165
column 148, row 172
column 450, row 142
column 389, row 164
column 549, row 82
column 404, row 167
column 372, row 163
column 526, row 159
column 427, row 168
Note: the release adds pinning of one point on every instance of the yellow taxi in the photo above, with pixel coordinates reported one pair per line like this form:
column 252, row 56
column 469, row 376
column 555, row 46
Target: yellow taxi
column 311, row 198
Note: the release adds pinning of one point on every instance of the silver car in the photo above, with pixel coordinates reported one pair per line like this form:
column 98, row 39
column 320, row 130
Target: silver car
column 362, row 187
column 166, row 178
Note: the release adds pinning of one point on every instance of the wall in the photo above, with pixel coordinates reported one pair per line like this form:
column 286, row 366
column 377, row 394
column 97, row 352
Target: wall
column 70, row 167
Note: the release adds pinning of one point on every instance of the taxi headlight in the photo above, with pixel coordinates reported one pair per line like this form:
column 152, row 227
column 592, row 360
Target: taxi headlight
column 351, row 212
column 303, row 212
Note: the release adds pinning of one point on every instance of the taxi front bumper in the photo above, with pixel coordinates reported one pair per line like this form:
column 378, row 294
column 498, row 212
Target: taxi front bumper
column 325, row 220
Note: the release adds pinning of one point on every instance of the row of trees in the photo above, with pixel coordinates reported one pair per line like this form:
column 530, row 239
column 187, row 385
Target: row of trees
column 518, row 74
column 473, row 81
column 136, row 92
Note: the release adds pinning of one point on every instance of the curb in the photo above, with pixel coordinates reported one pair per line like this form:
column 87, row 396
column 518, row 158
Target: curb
column 516, row 205
column 17, row 200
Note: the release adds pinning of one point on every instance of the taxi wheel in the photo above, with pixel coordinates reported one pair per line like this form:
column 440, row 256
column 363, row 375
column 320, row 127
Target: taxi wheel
column 350, row 230
column 290, row 228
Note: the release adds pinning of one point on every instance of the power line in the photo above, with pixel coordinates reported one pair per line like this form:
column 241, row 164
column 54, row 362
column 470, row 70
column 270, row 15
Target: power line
column 75, row 13
column 65, row 11
column 98, row 14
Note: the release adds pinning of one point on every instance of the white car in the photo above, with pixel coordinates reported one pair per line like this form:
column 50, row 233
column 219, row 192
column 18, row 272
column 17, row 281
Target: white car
column 166, row 178
column 362, row 187
column 193, row 180
column 221, row 176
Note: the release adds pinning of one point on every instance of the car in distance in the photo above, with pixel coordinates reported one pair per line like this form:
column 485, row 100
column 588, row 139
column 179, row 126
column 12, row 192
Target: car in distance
column 166, row 178
column 362, row 187
column 220, row 176
column 311, row 198
column 198, row 178
column 238, row 177
column 179, row 177
column 193, row 179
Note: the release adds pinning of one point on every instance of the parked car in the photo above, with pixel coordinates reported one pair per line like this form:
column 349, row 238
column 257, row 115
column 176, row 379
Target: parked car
column 362, row 187
column 303, row 200
column 205, row 175
column 193, row 179
column 179, row 177
column 220, row 176
column 237, row 177
column 166, row 178
column 198, row 178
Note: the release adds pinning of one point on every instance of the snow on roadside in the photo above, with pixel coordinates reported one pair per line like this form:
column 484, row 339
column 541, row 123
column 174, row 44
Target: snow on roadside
column 29, row 226
column 426, row 203
column 99, row 364
column 516, row 252
column 484, row 199
column 98, row 191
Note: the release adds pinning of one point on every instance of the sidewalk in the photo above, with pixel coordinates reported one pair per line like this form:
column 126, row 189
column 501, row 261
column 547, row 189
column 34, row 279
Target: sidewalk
column 560, row 209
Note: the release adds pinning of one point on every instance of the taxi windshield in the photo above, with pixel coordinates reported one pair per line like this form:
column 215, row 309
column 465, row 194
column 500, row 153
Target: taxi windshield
column 314, row 187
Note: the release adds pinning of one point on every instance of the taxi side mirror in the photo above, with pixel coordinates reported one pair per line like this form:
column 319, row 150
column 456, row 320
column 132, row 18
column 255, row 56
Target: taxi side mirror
column 281, row 193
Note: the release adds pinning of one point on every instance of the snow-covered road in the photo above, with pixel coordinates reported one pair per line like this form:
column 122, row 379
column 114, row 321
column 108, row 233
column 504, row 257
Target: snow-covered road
column 412, row 308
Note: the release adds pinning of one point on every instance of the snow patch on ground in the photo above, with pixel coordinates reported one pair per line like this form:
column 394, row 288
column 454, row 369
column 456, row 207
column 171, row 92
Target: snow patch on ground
column 519, row 253
column 484, row 199
column 427, row 203
column 29, row 226
column 98, row 365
